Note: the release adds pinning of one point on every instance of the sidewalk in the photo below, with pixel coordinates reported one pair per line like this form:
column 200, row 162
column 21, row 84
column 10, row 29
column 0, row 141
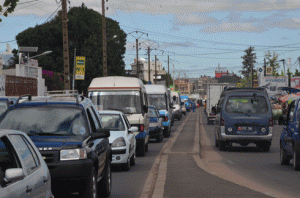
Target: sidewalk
column 184, row 178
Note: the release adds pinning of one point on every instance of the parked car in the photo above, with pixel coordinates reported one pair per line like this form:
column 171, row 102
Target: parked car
column 244, row 115
column 23, row 171
column 122, row 139
column 156, row 127
column 289, row 139
column 68, row 134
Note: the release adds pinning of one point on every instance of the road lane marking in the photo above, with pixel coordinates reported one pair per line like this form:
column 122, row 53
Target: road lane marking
column 149, row 186
column 161, row 178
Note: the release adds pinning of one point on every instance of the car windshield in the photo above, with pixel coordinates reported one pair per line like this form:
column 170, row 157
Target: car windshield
column 3, row 106
column 152, row 113
column 157, row 100
column 112, row 122
column 126, row 101
column 247, row 105
column 46, row 120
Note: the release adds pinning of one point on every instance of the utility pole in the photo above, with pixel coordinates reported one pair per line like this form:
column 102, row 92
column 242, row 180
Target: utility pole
column 65, row 45
column 74, row 68
column 168, row 83
column 155, row 71
column 265, row 65
column 251, row 74
column 137, row 58
column 104, row 39
column 149, row 64
column 174, row 78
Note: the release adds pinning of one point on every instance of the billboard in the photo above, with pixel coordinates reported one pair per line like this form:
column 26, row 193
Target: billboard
column 80, row 68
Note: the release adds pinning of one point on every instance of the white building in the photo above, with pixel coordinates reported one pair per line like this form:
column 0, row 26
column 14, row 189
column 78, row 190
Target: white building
column 144, row 70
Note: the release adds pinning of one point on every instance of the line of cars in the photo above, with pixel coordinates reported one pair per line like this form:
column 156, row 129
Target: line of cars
column 80, row 138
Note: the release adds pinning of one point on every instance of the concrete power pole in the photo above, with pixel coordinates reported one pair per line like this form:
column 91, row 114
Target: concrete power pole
column 167, row 81
column 149, row 64
column 65, row 45
column 155, row 72
column 104, row 39
column 137, row 58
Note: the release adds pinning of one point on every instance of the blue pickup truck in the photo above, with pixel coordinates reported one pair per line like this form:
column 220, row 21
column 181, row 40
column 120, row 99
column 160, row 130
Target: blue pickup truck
column 187, row 102
column 290, row 138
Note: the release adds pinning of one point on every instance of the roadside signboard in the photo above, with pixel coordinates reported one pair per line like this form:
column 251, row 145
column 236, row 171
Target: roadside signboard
column 80, row 68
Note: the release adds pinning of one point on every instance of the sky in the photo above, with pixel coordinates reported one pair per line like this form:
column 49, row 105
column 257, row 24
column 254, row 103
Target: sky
column 197, row 35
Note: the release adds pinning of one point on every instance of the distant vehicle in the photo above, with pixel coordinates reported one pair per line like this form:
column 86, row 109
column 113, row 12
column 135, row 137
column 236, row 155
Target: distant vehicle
column 122, row 139
column 176, row 100
column 158, row 97
column 156, row 126
column 289, row 139
column 213, row 95
column 186, row 100
column 244, row 115
column 68, row 134
column 126, row 94
column 23, row 171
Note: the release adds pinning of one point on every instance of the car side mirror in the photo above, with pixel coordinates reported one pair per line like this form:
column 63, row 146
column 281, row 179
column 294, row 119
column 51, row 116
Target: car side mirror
column 145, row 108
column 133, row 129
column 13, row 174
column 101, row 133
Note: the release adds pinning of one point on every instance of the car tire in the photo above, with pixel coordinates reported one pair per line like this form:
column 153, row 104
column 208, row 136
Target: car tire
column 296, row 160
column 142, row 149
column 216, row 142
column 132, row 159
column 91, row 188
column 167, row 132
column 126, row 166
column 284, row 159
column 104, row 186
column 159, row 137
column 147, row 147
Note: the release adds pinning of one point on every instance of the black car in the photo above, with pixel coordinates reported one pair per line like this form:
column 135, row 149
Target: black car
column 68, row 134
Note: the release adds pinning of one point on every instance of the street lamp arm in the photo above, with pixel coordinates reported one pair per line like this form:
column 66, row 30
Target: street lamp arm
column 44, row 53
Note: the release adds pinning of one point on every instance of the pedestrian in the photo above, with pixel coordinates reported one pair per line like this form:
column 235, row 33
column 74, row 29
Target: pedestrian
column 193, row 106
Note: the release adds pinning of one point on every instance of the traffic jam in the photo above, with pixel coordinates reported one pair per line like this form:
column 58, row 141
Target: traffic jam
column 93, row 144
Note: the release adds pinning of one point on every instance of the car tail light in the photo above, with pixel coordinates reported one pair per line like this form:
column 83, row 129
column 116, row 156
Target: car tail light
column 166, row 118
column 222, row 122
column 141, row 127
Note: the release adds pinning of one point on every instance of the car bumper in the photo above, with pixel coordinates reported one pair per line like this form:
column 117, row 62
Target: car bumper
column 253, row 138
column 119, row 155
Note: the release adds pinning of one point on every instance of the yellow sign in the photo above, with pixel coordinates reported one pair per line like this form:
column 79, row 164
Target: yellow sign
column 80, row 68
column 239, row 85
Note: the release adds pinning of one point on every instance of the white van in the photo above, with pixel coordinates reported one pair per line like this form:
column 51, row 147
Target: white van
column 126, row 94
column 176, row 100
column 158, row 96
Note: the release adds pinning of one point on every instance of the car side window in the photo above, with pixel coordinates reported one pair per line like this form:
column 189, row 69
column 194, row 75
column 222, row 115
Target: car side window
column 91, row 120
column 30, row 164
column 8, row 158
column 98, row 125
column 127, row 122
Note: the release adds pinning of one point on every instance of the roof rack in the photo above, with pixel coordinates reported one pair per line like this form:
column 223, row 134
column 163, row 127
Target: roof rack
column 236, row 88
column 21, row 97
column 62, row 93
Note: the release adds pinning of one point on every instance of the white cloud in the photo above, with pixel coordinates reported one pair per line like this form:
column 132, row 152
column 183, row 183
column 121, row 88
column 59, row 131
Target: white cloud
column 193, row 19
column 231, row 27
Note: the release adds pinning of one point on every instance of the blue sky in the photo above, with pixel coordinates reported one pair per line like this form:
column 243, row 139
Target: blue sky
column 197, row 35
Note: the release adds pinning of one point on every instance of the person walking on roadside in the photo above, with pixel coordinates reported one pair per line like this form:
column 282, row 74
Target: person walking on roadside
column 193, row 106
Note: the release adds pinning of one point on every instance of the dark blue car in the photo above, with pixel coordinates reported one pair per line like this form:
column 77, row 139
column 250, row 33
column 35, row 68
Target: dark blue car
column 155, row 125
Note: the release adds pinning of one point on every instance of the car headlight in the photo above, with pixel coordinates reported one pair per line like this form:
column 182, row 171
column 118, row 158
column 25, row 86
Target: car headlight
column 119, row 142
column 73, row 154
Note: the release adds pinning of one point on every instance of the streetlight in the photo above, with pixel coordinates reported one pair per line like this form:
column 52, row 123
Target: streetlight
column 44, row 53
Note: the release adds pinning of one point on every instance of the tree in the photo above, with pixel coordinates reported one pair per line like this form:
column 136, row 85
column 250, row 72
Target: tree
column 272, row 60
column 85, row 34
column 10, row 6
column 248, row 62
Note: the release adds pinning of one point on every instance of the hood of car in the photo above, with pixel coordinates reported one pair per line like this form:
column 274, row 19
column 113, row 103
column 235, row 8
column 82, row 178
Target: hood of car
column 116, row 134
column 58, row 141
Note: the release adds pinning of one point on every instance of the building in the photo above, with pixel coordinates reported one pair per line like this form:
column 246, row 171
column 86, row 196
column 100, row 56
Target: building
column 221, row 71
column 183, row 85
column 144, row 71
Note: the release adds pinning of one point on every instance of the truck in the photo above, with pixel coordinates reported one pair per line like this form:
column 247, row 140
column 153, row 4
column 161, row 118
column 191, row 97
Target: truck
column 213, row 91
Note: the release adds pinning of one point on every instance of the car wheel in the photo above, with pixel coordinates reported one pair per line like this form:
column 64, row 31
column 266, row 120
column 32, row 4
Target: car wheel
column 284, row 159
column 296, row 160
column 166, row 132
column 147, row 147
column 126, row 166
column 159, row 137
column 142, row 149
column 90, row 189
column 132, row 159
column 216, row 142
column 104, row 186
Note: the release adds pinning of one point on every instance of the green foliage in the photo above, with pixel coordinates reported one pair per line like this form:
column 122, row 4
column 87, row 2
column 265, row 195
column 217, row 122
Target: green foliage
column 84, row 34
column 297, row 73
column 54, row 81
column 9, row 6
column 248, row 62
column 169, row 80
column 272, row 60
